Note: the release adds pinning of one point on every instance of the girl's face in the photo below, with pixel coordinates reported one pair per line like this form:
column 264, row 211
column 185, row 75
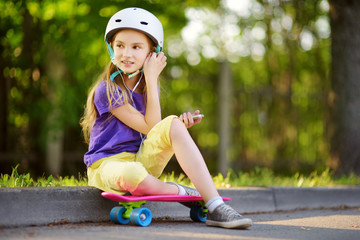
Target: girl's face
column 131, row 49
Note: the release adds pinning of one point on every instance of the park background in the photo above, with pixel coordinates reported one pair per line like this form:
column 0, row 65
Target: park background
column 277, row 80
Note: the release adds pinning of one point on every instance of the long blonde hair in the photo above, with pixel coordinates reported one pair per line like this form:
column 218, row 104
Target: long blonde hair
column 88, row 120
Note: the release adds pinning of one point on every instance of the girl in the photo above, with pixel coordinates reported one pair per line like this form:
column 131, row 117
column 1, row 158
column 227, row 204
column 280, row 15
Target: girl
column 129, row 143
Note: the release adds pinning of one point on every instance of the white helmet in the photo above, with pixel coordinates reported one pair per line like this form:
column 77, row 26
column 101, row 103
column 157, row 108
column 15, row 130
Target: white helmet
column 138, row 19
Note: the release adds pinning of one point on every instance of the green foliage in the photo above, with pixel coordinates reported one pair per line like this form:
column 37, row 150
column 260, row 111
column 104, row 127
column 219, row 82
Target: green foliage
column 280, row 99
column 181, row 178
column 265, row 177
column 259, row 177
column 25, row 180
column 281, row 95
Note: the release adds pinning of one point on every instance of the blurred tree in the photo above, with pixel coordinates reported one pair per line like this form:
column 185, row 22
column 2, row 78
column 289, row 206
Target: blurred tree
column 279, row 61
column 51, row 53
column 345, row 75
column 269, row 58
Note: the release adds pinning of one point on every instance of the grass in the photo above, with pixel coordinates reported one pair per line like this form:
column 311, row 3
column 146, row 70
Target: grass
column 25, row 180
column 262, row 177
column 259, row 177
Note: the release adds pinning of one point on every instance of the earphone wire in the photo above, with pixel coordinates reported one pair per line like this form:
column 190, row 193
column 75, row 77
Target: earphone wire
column 132, row 99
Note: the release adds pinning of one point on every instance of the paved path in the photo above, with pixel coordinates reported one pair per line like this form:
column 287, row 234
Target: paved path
column 343, row 224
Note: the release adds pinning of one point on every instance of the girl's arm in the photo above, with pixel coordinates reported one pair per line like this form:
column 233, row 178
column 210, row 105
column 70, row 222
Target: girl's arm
column 153, row 66
column 131, row 117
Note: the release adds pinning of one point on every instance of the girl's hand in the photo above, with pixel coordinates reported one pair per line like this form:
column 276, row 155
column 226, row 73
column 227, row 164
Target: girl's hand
column 188, row 120
column 153, row 66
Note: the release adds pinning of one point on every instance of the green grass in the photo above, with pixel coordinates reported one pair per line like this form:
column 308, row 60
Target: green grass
column 262, row 177
column 25, row 180
column 259, row 177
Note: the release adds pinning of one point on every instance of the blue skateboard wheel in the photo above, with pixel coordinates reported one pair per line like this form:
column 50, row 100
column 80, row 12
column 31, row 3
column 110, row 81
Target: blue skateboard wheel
column 141, row 217
column 116, row 215
column 197, row 214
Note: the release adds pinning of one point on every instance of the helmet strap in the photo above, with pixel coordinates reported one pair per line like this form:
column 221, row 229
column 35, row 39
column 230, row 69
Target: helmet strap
column 119, row 71
column 135, row 73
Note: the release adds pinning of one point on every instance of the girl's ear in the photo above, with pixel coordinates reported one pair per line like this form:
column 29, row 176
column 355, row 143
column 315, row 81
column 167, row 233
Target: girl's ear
column 155, row 49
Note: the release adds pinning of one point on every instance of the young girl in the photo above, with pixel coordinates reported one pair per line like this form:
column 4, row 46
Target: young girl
column 129, row 143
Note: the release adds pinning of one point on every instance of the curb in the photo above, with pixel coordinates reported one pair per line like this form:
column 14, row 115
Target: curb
column 41, row 206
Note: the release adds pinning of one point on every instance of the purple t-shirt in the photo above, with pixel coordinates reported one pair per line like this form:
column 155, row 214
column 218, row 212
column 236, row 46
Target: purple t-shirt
column 109, row 135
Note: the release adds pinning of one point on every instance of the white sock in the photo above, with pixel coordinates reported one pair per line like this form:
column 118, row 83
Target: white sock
column 214, row 203
column 181, row 190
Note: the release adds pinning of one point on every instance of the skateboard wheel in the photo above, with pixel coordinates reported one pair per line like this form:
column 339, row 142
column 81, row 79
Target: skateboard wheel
column 116, row 215
column 141, row 217
column 197, row 214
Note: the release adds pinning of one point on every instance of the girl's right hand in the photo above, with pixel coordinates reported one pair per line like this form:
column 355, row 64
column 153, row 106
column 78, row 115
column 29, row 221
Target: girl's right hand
column 188, row 120
column 153, row 66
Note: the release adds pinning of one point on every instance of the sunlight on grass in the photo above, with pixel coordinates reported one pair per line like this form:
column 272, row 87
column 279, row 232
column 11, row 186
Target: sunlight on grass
column 259, row 177
column 25, row 180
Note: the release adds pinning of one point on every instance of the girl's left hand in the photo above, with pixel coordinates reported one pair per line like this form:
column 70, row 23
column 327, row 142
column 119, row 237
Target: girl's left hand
column 187, row 119
column 153, row 66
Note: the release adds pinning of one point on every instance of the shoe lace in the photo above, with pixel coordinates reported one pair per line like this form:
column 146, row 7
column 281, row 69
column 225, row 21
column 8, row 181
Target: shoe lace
column 191, row 191
column 230, row 212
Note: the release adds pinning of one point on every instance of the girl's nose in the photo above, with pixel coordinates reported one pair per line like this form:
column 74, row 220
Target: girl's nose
column 127, row 52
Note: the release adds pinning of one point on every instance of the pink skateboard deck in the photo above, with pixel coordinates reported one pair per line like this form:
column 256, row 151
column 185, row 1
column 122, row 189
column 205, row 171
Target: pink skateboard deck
column 131, row 210
column 156, row 198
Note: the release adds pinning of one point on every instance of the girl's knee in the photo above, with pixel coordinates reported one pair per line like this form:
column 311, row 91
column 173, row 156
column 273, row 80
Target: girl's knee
column 177, row 126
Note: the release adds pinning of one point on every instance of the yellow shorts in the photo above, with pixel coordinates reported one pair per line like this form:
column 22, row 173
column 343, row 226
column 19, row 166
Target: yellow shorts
column 122, row 173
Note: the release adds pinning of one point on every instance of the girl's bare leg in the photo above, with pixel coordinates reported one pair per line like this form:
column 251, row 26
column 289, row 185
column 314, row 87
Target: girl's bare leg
column 193, row 164
column 153, row 186
column 190, row 160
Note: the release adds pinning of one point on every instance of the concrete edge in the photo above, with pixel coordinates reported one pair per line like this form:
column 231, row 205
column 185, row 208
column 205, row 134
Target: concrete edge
column 41, row 206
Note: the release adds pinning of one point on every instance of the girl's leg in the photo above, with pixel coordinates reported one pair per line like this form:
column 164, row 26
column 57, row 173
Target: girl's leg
column 153, row 186
column 191, row 160
column 193, row 164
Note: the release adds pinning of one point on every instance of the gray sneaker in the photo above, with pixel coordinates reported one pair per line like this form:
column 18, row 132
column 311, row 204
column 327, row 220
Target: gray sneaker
column 189, row 191
column 226, row 217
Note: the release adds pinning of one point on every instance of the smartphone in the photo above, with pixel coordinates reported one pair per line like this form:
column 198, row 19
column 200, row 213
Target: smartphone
column 197, row 116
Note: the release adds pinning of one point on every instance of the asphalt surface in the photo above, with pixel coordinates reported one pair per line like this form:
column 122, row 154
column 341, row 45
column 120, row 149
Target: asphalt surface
column 326, row 224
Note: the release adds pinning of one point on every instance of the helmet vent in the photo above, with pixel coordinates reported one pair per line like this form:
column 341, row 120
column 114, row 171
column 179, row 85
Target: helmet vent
column 118, row 20
column 144, row 23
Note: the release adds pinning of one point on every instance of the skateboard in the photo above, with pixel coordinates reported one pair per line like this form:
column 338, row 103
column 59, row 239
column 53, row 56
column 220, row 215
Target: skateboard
column 130, row 209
